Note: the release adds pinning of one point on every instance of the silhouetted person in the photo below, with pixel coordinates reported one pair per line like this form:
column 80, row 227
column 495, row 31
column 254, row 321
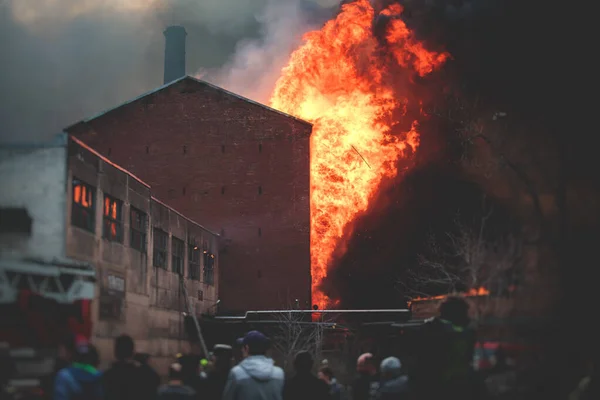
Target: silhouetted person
column 394, row 385
column 304, row 385
column 256, row 377
column 64, row 358
column 149, row 377
column 366, row 383
column 192, row 369
column 326, row 375
column 175, row 389
column 81, row 380
column 216, row 379
column 445, row 355
column 122, row 380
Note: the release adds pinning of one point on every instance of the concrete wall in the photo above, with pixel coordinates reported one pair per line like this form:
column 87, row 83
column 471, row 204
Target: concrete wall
column 33, row 177
column 150, row 306
column 239, row 167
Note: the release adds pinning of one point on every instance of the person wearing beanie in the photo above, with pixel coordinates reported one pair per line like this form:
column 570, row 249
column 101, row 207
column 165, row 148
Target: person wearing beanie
column 176, row 389
column 366, row 383
column 394, row 385
column 81, row 380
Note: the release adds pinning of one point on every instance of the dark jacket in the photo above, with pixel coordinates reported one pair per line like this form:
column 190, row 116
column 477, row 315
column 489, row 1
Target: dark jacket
column 151, row 380
column 78, row 382
column 305, row 386
column 214, row 384
column 393, row 389
column 176, row 392
column 122, row 381
column 364, row 387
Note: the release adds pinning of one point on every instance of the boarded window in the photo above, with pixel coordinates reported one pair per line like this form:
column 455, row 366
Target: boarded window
column 15, row 220
column 83, row 205
column 159, row 257
column 193, row 262
column 139, row 228
column 177, row 255
column 112, row 227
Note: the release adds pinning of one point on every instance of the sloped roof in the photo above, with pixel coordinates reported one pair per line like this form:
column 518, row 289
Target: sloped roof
column 191, row 79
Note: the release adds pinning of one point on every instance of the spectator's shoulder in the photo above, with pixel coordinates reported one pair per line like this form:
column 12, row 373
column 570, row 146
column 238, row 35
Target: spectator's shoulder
column 278, row 373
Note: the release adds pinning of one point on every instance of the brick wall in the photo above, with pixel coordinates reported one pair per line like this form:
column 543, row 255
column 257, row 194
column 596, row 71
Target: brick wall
column 239, row 167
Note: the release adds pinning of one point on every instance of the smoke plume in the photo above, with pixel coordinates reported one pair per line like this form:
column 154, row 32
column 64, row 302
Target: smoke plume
column 64, row 60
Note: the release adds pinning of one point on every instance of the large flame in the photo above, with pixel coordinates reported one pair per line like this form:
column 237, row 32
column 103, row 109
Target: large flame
column 337, row 81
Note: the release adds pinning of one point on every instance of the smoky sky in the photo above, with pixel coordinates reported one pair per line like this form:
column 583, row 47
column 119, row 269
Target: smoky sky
column 69, row 59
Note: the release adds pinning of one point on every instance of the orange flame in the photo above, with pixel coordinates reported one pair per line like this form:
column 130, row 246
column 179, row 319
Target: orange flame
column 474, row 292
column 335, row 80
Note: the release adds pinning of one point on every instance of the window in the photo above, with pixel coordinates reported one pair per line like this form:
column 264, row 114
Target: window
column 112, row 228
column 193, row 262
column 139, row 227
column 177, row 255
column 209, row 263
column 159, row 258
column 15, row 220
column 82, row 212
column 260, row 190
column 260, row 147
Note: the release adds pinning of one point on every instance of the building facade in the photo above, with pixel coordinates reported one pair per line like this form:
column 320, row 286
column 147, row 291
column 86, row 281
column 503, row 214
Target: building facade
column 238, row 166
column 150, row 260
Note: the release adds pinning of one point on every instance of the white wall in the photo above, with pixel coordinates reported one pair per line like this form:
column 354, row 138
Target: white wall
column 34, row 177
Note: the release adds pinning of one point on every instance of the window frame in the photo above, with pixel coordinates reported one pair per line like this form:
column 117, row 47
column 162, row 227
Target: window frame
column 208, row 272
column 107, row 220
column 194, row 264
column 177, row 258
column 162, row 251
column 135, row 229
column 77, row 208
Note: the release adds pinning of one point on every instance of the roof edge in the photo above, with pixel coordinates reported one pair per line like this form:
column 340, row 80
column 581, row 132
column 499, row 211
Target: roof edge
column 152, row 198
column 166, row 85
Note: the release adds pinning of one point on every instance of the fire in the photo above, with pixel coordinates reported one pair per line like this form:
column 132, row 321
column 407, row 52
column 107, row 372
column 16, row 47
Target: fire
column 473, row 292
column 338, row 81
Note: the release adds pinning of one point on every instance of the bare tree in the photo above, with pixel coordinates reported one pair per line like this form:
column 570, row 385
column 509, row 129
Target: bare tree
column 295, row 332
column 473, row 264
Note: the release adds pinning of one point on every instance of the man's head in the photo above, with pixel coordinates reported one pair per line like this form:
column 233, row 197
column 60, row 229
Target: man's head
column 303, row 362
column 326, row 374
column 366, row 364
column 455, row 310
column 124, row 348
column 390, row 368
column 254, row 343
column 66, row 347
column 222, row 357
column 87, row 354
column 176, row 372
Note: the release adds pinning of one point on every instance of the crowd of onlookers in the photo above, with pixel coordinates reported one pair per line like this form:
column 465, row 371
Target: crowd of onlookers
column 443, row 370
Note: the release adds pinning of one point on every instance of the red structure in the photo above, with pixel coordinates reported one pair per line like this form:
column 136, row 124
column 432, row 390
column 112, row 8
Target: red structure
column 238, row 166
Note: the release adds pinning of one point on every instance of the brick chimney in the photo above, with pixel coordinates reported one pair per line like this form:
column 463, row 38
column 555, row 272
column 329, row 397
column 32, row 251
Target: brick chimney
column 174, row 53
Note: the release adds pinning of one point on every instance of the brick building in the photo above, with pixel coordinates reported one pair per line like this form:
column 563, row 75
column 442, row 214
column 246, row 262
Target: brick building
column 240, row 167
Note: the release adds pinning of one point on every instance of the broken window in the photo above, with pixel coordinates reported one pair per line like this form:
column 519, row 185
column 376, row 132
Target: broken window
column 209, row 263
column 83, row 205
column 15, row 220
column 193, row 262
column 139, row 228
column 159, row 258
column 112, row 228
column 177, row 255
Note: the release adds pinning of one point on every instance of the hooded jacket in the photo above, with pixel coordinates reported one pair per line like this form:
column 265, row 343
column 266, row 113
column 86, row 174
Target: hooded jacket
column 255, row 378
column 393, row 389
column 79, row 381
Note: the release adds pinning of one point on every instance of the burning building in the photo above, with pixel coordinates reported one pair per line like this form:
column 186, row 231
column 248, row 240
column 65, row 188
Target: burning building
column 239, row 166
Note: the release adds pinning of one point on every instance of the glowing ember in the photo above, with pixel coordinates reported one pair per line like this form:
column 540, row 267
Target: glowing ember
column 336, row 80
column 475, row 292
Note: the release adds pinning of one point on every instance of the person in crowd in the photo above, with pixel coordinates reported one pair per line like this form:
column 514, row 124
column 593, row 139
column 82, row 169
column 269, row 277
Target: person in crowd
column 148, row 375
column 304, row 385
column 65, row 354
column 366, row 384
column 176, row 389
column 81, row 380
column 327, row 376
column 256, row 377
column 122, row 381
column 221, row 360
column 445, row 355
column 192, row 367
column 394, row 385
